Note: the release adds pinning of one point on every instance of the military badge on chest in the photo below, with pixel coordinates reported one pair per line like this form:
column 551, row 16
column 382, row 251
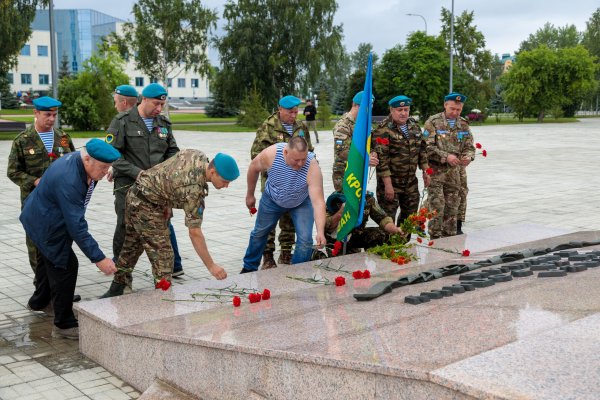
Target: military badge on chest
column 162, row 132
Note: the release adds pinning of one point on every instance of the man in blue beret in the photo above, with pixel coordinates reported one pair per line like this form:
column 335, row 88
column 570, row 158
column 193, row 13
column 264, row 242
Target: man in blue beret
column 280, row 127
column 144, row 138
column 125, row 98
column 54, row 217
column 180, row 182
column 32, row 152
column 450, row 149
column 342, row 138
column 401, row 151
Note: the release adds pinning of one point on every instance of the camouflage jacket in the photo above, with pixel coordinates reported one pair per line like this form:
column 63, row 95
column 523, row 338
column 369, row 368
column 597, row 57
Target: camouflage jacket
column 29, row 159
column 139, row 148
column 372, row 210
column 179, row 182
column 401, row 157
column 271, row 132
column 342, row 138
column 443, row 140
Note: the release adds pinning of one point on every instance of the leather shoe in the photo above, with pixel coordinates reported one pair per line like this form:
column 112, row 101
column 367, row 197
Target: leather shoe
column 76, row 298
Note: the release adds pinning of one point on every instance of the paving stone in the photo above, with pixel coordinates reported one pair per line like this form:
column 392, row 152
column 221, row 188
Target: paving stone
column 521, row 273
column 501, row 278
column 552, row 274
column 455, row 289
column 414, row 300
column 433, row 295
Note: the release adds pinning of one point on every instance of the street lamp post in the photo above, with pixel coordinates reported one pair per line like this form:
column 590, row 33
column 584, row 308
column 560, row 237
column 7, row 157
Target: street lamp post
column 53, row 67
column 422, row 17
column 451, row 45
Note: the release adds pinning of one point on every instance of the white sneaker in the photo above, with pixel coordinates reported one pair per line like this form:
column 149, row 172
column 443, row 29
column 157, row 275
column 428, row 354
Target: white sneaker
column 69, row 333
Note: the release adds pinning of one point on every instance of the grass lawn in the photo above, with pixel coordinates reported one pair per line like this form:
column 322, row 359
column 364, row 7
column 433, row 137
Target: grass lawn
column 27, row 119
column 91, row 134
column 6, row 111
column 187, row 118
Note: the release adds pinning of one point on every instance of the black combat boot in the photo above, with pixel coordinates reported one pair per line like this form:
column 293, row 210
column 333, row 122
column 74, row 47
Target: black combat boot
column 268, row 261
column 459, row 227
column 116, row 289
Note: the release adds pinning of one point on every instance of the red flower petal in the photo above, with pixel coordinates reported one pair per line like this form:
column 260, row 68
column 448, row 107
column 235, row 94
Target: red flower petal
column 236, row 301
column 429, row 171
column 430, row 243
column 366, row 274
column 163, row 284
column 340, row 281
column 484, row 153
column 253, row 211
column 254, row 297
column 419, row 240
column 266, row 294
column 478, row 145
column 357, row 274
column 466, row 253
column 336, row 248
column 385, row 141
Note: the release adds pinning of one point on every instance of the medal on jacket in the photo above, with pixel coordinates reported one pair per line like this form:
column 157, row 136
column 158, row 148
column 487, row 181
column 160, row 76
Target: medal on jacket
column 31, row 151
column 60, row 151
column 162, row 132
column 64, row 142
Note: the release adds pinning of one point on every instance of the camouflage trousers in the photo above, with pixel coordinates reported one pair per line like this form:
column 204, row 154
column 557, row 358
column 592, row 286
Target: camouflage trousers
column 407, row 199
column 287, row 236
column 444, row 197
column 33, row 253
column 364, row 238
column 464, row 191
column 146, row 229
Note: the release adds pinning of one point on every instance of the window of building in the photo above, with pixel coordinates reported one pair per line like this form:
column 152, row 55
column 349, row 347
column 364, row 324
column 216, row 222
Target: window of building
column 139, row 81
column 26, row 50
column 153, row 80
column 181, row 82
column 26, row 79
column 195, row 83
column 10, row 77
column 44, row 79
column 169, row 82
column 43, row 51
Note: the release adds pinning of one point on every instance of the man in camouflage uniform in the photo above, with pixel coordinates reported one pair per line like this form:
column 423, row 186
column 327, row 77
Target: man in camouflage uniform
column 280, row 127
column 401, row 149
column 342, row 138
column 361, row 237
column 450, row 145
column 29, row 157
column 144, row 138
column 179, row 182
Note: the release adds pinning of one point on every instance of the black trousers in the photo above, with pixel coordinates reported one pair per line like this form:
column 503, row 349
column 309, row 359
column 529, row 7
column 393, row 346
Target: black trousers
column 57, row 285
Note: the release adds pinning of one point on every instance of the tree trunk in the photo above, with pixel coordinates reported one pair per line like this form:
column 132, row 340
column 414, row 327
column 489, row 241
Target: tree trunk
column 540, row 117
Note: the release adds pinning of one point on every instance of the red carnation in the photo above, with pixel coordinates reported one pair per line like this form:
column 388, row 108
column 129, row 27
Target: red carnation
column 253, row 211
column 366, row 274
column 429, row 171
column 419, row 240
column 385, row 141
column 340, row 281
column 163, row 284
column 378, row 140
column 478, row 145
column 430, row 243
column 484, row 153
column 336, row 248
column 254, row 297
column 357, row 274
column 237, row 301
column 266, row 294
column 52, row 155
column 466, row 253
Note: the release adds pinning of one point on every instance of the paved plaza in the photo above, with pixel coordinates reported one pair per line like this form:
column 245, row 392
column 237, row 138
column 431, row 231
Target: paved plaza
column 540, row 174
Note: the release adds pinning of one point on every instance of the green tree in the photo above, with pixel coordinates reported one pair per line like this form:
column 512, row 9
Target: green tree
column 360, row 58
column 168, row 37
column 552, row 37
column 324, row 110
column 63, row 68
column 8, row 99
column 276, row 44
column 543, row 79
column 591, row 41
column 15, row 29
column 87, row 100
column 252, row 110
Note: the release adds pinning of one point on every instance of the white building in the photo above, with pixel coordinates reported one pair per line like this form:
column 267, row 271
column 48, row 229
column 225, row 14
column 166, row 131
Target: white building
column 78, row 34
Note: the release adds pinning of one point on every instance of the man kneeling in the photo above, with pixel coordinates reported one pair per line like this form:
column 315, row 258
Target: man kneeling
column 294, row 184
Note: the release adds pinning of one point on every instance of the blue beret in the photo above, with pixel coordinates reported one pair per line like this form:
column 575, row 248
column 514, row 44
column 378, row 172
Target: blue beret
column 456, row 97
column 155, row 91
column 46, row 104
column 289, row 102
column 226, row 167
column 334, row 202
column 126, row 90
column 400, row 101
column 358, row 97
column 102, row 151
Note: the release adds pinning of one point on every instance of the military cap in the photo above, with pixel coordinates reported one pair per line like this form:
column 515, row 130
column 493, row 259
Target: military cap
column 46, row 104
column 102, row 151
column 155, row 91
column 226, row 167
column 334, row 202
column 456, row 97
column 400, row 101
column 126, row 90
column 358, row 97
column 289, row 102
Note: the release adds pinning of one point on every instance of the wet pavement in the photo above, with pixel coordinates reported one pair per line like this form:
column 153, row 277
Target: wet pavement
column 538, row 174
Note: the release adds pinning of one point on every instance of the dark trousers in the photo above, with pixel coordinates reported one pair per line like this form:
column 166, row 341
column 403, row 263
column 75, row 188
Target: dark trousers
column 57, row 285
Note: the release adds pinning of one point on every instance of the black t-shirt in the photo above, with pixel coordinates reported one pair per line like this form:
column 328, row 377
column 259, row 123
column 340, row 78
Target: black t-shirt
column 313, row 112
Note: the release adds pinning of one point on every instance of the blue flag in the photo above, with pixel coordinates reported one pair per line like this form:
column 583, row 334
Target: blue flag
column 357, row 167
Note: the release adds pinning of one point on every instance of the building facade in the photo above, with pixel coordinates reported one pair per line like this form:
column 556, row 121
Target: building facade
column 78, row 34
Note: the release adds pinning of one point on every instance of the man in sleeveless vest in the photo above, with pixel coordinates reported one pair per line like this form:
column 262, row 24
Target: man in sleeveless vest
column 294, row 185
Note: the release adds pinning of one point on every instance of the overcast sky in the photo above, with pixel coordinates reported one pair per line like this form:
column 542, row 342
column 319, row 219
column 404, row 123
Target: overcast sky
column 384, row 23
